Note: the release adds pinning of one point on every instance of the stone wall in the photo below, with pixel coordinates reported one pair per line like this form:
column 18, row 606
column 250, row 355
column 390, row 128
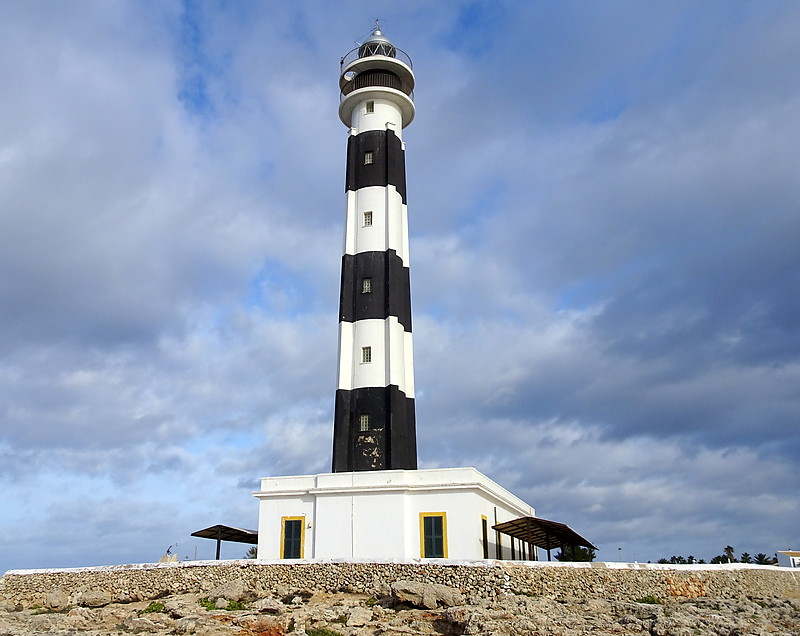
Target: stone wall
column 486, row 579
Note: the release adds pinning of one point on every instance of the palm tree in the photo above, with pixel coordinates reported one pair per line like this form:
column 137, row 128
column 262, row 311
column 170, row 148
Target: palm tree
column 763, row 559
column 745, row 558
column 729, row 554
column 252, row 552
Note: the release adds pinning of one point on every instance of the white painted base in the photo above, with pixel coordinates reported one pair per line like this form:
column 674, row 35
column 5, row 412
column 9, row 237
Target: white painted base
column 376, row 514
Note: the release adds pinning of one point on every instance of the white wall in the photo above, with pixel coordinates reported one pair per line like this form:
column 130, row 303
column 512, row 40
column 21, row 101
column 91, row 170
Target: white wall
column 385, row 112
column 392, row 355
column 376, row 515
column 389, row 229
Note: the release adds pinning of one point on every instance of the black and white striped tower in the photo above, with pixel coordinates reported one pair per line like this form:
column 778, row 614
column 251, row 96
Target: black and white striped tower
column 374, row 421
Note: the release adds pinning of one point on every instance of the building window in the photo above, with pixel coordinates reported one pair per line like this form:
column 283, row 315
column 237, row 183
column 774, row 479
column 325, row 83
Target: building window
column 293, row 531
column 368, row 157
column 433, row 535
column 370, row 107
column 366, row 354
column 363, row 422
column 367, row 219
column 366, row 286
column 485, row 536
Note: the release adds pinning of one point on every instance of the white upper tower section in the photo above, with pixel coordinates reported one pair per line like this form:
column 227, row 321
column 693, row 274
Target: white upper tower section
column 380, row 73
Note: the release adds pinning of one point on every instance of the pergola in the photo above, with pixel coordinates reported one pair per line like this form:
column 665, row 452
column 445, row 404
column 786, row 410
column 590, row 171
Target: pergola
column 541, row 533
column 227, row 533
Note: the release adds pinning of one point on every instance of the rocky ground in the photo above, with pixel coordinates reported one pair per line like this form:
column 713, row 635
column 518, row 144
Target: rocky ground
column 411, row 608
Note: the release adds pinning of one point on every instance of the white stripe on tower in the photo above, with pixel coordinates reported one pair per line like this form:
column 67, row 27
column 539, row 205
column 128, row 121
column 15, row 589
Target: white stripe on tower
column 374, row 421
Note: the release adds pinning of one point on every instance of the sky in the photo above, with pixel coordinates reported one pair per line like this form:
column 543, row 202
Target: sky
column 604, row 213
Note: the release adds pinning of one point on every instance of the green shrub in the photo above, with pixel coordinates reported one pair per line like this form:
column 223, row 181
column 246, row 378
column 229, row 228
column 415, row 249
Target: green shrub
column 231, row 607
column 236, row 605
column 650, row 600
column 154, row 608
column 209, row 605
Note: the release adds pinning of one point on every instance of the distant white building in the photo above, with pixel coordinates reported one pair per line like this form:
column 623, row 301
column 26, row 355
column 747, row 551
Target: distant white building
column 789, row 559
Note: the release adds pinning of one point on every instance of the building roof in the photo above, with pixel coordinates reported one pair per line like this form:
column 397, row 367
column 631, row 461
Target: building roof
column 228, row 533
column 542, row 533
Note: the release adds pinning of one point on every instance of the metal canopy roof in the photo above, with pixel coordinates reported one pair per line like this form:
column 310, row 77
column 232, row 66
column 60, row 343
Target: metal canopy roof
column 542, row 533
column 228, row 533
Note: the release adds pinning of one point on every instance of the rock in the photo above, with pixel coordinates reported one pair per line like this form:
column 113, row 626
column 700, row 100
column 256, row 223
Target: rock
column 269, row 606
column 184, row 606
column 93, row 598
column 187, row 626
column 426, row 595
column 418, row 608
column 359, row 616
column 221, row 603
column 125, row 596
column 235, row 590
column 56, row 599
column 598, row 605
column 262, row 625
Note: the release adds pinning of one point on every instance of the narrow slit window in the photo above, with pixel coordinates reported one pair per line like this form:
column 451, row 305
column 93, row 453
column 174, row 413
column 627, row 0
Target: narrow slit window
column 363, row 422
column 366, row 354
column 367, row 219
column 366, row 286
column 370, row 107
column 367, row 157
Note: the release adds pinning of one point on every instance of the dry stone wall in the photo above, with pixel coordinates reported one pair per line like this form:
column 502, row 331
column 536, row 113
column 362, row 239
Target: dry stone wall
column 90, row 587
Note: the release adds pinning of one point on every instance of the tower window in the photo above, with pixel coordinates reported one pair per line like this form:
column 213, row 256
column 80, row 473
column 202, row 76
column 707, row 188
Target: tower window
column 363, row 422
column 367, row 219
column 366, row 286
column 370, row 107
column 366, row 354
column 367, row 157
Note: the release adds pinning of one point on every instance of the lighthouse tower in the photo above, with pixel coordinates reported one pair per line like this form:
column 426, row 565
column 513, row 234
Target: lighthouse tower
column 375, row 503
column 374, row 421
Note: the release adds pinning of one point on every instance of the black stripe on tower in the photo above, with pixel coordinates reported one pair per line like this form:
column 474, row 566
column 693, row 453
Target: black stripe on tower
column 391, row 442
column 387, row 166
column 388, row 292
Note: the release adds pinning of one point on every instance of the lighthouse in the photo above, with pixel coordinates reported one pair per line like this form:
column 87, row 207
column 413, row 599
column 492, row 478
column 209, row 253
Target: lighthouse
column 374, row 415
column 376, row 503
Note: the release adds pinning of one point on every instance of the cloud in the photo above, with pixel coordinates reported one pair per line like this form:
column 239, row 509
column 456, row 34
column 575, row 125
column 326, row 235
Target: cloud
column 603, row 210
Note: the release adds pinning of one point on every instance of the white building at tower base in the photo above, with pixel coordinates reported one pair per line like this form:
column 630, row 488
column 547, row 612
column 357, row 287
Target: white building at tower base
column 382, row 514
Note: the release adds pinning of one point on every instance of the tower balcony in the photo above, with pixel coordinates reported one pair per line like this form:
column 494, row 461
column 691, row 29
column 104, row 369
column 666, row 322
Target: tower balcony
column 376, row 78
